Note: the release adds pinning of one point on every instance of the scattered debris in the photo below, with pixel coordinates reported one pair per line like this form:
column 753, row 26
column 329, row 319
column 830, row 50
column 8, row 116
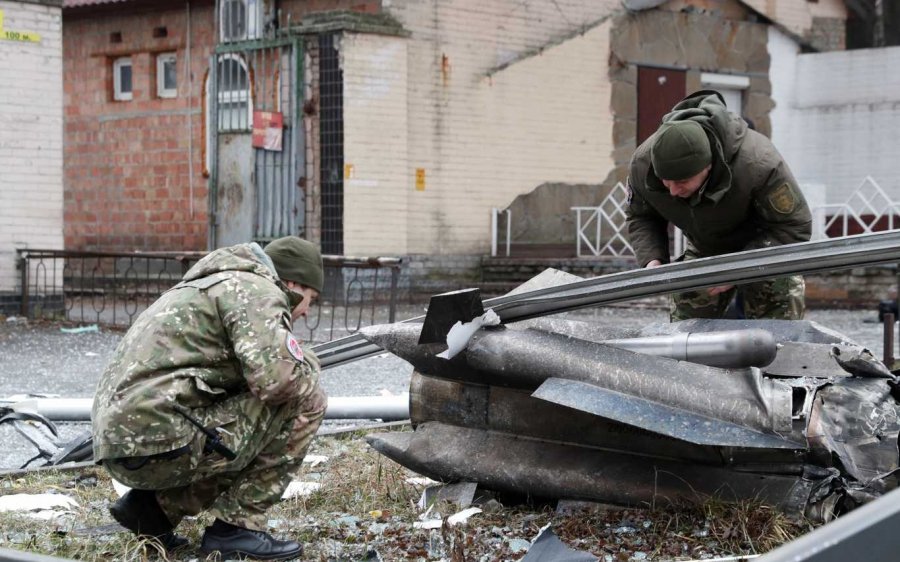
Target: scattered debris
column 81, row 329
column 462, row 516
column 297, row 489
column 366, row 508
column 315, row 460
column 548, row 548
column 461, row 494
column 39, row 506
column 459, row 335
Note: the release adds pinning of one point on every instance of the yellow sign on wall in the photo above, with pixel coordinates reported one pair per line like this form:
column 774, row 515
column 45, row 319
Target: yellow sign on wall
column 27, row 36
column 420, row 179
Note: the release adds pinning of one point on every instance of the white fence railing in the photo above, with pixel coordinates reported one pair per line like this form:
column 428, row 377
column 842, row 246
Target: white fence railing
column 495, row 234
column 601, row 230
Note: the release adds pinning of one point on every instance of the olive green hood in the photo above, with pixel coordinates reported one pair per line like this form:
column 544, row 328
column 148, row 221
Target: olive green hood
column 243, row 257
column 726, row 132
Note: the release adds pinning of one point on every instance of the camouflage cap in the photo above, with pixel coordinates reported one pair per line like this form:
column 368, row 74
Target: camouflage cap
column 680, row 150
column 297, row 260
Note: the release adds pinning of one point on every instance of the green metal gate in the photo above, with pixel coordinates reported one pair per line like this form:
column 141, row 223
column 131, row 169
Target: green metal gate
column 257, row 143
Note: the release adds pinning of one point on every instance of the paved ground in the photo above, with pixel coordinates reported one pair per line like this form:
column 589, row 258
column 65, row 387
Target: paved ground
column 41, row 358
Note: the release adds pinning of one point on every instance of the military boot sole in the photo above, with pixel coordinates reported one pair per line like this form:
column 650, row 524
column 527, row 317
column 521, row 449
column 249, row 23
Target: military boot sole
column 242, row 555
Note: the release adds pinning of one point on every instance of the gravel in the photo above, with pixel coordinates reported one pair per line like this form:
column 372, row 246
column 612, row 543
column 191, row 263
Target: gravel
column 39, row 357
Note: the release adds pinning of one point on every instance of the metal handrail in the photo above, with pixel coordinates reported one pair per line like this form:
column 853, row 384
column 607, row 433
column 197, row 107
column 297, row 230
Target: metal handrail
column 742, row 267
column 868, row 200
column 114, row 287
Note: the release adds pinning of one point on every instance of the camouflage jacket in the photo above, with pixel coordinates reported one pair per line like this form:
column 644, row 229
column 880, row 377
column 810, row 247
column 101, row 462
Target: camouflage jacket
column 750, row 200
column 225, row 329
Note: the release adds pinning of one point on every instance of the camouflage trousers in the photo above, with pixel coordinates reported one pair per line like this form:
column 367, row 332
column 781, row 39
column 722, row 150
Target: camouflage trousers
column 270, row 443
column 781, row 298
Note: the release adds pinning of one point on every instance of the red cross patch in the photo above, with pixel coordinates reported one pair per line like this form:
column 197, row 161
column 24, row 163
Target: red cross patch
column 293, row 347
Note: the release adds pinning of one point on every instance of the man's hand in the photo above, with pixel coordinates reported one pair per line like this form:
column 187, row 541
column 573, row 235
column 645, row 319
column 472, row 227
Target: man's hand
column 653, row 263
column 713, row 291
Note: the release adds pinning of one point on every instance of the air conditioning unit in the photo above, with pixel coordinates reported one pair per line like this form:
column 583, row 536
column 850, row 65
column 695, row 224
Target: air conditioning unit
column 240, row 20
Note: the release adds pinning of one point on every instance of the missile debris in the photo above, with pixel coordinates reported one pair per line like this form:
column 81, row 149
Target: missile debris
column 786, row 412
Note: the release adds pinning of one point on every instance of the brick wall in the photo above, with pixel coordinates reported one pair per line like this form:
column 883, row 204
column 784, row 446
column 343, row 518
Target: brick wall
column 377, row 178
column 31, row 159
column 797, row 16
column 501, row 97
column 837, row 115
column 128, row 163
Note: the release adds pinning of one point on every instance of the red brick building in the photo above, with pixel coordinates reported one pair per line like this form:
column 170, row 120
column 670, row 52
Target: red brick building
column 138, row 149
column 133, row 169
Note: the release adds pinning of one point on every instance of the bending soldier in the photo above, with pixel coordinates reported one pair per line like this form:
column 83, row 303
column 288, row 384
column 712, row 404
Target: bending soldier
column 210, row 403
column 727, row 188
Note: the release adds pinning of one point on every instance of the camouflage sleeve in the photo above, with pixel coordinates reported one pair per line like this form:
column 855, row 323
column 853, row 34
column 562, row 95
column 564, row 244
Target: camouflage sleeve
column 784, row 215
column 648, row 231
column 271, row 358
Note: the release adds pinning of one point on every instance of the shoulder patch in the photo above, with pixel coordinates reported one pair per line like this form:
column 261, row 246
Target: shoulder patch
column 783, row 200
column 293, row 347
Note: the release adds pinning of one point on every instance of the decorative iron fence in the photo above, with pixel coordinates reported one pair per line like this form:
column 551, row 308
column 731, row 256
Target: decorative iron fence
column 868, row 209
column 114, row 288
column 600, row 231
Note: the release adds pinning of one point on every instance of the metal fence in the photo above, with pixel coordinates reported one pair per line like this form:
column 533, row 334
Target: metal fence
column 600, row 231
column 109, row 288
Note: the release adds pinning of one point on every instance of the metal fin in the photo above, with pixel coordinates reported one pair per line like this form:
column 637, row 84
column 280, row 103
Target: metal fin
column 656, row 417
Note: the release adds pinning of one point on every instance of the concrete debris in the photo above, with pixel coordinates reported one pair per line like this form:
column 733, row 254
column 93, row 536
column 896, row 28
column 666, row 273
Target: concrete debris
column 38, row 506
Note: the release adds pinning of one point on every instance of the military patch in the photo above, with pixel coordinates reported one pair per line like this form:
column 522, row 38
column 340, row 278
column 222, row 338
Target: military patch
column 293, row 347
column 783, row 199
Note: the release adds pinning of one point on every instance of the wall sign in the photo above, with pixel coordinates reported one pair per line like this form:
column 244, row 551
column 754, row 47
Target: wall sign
column 420, row 179
column 268, row 127
column 25, row 36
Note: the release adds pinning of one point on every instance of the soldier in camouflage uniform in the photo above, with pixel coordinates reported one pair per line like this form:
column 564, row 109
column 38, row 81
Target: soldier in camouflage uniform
column 210, row 403
column 727, row 188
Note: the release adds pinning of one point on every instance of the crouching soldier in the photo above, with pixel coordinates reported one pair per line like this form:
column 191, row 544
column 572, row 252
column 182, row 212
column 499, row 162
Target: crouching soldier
column 210, row 403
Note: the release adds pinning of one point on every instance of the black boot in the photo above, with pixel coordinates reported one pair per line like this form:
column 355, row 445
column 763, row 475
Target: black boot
column 232, row 541
column 139, row 512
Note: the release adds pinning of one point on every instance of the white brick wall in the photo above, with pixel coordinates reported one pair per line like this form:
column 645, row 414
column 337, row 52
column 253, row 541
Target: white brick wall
column 31, row 154
column 375, row 144
column 837, row 116
column 484, row 134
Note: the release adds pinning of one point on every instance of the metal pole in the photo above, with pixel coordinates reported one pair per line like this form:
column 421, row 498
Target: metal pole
column 23, row 263
column 494, row 232
column 392, row 310
column 339, row 407
column 577, row 232
column 888, row 339
column 508, row 230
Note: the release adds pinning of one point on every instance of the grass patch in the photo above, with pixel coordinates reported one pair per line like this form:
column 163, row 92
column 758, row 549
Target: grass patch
column 366, row 505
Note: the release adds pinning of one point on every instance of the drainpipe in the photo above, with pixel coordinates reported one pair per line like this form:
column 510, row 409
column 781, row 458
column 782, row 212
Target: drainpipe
column 190, row 112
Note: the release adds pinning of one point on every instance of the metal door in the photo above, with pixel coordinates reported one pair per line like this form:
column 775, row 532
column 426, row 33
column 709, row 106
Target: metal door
column 658, row 90
column 255, row 93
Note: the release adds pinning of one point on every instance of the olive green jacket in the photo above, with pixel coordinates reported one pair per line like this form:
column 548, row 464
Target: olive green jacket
column 750, row 200
column 224, row 330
